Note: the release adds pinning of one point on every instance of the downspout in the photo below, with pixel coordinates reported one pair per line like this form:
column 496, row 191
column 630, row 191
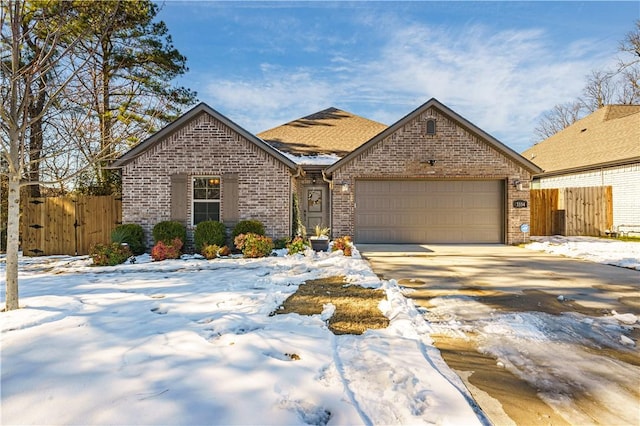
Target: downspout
column 299, row 172
column 330, row 182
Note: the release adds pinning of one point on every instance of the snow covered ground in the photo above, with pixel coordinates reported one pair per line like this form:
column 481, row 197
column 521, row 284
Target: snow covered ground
column 191, row 342
column 600, row 250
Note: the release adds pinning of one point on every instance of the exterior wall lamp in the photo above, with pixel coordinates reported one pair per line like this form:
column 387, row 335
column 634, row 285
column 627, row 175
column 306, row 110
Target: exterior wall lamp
column 344, row 186
column 518, row 185
column 429, row 162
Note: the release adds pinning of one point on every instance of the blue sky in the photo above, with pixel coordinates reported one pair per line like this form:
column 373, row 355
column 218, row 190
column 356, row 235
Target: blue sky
column 498, row 64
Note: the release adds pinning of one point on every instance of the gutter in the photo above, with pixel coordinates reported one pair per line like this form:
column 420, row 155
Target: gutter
column 598, row 166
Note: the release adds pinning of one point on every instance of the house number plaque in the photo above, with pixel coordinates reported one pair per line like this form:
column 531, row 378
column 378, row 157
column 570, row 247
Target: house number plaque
column 520, row 204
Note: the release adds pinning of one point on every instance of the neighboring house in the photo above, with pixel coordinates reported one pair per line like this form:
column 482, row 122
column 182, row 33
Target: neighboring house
column 602, row 149
column 432, row 177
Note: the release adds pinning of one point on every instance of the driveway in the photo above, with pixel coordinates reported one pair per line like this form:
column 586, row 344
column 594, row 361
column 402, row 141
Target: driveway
column 525, row 329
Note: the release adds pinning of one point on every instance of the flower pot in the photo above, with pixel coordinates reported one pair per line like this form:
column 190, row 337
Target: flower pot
column 319, row 244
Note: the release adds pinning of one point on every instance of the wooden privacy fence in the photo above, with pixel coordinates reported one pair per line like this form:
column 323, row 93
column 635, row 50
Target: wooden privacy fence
column 68, row 225
column 572, row 211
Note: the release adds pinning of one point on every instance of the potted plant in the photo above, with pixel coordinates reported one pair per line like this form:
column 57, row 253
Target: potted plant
column 320, row 241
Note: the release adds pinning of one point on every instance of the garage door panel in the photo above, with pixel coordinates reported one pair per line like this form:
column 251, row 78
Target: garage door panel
column 429, row 211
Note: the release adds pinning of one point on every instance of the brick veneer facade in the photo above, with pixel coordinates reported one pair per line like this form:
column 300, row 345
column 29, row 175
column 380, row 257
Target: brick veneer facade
column 459, row 154
column 207, row 147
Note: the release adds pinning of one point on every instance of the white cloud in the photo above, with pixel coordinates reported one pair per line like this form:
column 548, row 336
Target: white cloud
column 499, row 80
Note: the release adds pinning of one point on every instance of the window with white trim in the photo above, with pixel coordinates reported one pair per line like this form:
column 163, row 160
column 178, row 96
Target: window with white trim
column 206, row 198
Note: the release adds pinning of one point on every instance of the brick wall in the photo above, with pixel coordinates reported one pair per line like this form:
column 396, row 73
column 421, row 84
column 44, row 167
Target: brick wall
column 458, row 154
column 205, row 146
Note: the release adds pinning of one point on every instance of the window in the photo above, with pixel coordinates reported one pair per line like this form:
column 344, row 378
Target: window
column 206, row 198
column 431, row 126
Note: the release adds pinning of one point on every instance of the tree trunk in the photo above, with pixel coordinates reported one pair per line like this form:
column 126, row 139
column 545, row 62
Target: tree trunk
column 36, row 139
column 13, row 242
column 106, row 139
column 35, row 156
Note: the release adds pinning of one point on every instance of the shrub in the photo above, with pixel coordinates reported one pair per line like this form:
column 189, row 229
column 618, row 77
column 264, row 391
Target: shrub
column 132, row 234
column 209, row 232
column 281, row 243
column 224, row 251
column 162, row 250
column 248, row 227
column 168, row 231
column 254, row 245
column 297, row 245
column 210, row 251
column 344, row 244
column 109, row 254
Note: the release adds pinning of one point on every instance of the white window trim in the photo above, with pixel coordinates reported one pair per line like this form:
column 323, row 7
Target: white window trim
column 193, row 200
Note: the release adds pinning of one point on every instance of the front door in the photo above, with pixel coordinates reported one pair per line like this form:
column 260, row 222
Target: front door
column 315, row 207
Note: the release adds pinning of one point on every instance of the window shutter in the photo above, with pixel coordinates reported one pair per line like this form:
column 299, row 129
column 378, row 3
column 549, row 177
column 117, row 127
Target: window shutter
column 230, row 213
column 179, row 198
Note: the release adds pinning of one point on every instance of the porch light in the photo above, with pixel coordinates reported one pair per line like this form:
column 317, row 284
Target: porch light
column 518, row 185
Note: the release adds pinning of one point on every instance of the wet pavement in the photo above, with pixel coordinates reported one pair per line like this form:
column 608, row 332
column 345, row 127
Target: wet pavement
column 550, row 319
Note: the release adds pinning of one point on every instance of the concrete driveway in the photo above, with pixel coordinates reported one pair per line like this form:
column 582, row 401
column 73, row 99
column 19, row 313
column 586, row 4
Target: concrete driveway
column 498, row 281
column 441, row 269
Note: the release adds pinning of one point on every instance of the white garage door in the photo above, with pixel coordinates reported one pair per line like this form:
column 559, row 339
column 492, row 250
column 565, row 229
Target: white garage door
column 429, row 211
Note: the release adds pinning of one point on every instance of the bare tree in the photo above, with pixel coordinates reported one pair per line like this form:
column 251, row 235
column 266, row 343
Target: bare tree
column 600, row 90
column 561, row 116
column 603, row 87
column 22, row 72
column 629, row 66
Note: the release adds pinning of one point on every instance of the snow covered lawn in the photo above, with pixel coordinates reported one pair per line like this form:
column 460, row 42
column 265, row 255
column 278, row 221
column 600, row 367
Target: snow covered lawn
column 191, row 341
column 600, row 250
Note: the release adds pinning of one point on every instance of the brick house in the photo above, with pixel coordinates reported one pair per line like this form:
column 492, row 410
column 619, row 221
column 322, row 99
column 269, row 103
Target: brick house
column 432, row 177
column 601, row 149
column 204, row 166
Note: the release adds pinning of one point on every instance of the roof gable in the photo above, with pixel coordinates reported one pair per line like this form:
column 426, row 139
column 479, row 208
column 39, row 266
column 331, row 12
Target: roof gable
column 330, row 131
column 186, row 118
column 461, row 121
column 607, row 136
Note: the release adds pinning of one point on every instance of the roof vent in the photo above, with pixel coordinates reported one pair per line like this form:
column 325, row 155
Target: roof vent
column 583, row 130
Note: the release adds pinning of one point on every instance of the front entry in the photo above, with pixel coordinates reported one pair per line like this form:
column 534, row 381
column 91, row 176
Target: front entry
column 315, row 207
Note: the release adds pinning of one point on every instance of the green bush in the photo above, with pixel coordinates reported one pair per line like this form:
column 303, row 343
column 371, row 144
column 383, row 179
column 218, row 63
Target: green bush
column 169, row 230
column 281, row 243
column 209, row 232
column 248, row 227
column 297, row 245
column 109, row 254
column 254, row 245
column 132, row 234
column 162, row 250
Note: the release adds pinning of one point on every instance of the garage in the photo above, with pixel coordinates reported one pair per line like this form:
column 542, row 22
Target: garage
column 429, row 211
